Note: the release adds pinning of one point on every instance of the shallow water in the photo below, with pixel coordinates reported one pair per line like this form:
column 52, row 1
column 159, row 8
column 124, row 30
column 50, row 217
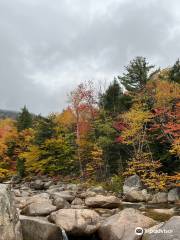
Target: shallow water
column 146, row 209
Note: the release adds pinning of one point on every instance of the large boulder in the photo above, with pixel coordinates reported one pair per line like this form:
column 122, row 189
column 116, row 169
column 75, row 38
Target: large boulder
column 72, row 187
column 60, row 203
column 48, row 184
column 169, row 230
column 137, row 196
column 174, row 195
column 34, row 228
column 76, row 221
column 77, row 201
column 22, row 202
column 10, row 228
column 56, row 188
column 43, row 208
column 87, row 194
column 122, row 226
column 97, row 189
column 37, row 184
column 160, row 197
column 132, row 183
column 167, row 211
column 67, row 195
column 38, row 198
column 103, row 201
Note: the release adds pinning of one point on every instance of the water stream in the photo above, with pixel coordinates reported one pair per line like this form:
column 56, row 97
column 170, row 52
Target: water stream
column 147, row 209
column 64, row 235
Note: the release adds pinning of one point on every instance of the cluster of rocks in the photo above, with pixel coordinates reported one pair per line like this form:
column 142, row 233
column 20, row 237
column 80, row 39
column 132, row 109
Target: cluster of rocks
column 43, row 210
column 134, row 191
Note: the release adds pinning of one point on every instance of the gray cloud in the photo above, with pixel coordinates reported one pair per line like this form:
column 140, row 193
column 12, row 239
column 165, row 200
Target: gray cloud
column 47, row 47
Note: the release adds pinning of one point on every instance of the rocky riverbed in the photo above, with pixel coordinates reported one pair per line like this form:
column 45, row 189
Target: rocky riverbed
column 45, row 210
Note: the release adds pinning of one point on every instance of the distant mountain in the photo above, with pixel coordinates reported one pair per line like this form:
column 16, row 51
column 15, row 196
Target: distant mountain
column 8, row 114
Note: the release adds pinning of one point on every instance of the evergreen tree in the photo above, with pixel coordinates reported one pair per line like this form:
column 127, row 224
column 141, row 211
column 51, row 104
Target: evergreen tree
column 137, row 74
column 24, row 119
column 175, row 72
column 45, row 129
column 20, row 167
column 113, row 100
column 114, row 153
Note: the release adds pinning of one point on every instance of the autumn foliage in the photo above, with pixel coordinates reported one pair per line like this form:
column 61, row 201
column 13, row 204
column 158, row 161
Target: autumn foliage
column 103, row 136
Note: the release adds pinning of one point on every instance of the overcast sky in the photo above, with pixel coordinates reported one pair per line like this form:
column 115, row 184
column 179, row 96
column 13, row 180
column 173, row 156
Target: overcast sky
column 49, row 46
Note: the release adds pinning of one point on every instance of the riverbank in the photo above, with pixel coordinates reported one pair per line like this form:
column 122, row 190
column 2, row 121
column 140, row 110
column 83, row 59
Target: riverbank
column 45, row 208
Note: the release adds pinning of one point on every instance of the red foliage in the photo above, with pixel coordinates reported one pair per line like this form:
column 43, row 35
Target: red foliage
column 120, row 126
column 166, row 123
column 119, row 139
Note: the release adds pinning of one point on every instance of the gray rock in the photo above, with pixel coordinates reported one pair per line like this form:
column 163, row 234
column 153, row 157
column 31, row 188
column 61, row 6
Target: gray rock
column 58, row 187
column 10, row 228
column 16, row 179
column 132, row 183
column 34, row 228
column 43, row 208
column 79, row 207
column 37, row 184
column 17, row 193
column 22, row 202
column 77, row 201
column 48, row 184
column 160, row 197
column 54, row 189
column 103, row 201
column 26, row 193
column 137, row 196
column 122, row 226
column 38, row 198
column 60, row 203
column 169, row 230
column 174, row 195
column 97, row 189
column 76, row 221
column 166, row 211
column 72, row 187
column 105, row 213
column 67, row 195
column 86, row 194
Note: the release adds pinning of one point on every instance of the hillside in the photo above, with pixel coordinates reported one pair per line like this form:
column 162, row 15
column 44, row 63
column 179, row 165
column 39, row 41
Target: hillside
column 8, row 114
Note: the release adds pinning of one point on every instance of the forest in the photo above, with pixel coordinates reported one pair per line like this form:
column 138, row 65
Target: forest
column 104, row 135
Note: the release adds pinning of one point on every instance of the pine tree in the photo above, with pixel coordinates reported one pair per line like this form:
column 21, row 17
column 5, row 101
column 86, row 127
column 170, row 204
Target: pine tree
column 24, row 119
column 137, row 74
column 20, row 167
column 45, row 129
column 113, row 100
column 175, row 72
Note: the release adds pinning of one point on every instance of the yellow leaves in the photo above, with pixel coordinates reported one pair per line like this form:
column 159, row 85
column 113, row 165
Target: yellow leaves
column 166, row 92
column 4, row 173
column 66, row 118
column 8, row 133
column 149, row 173
column 97, row 155
column 135, row 119
column 8, row 130
column 175, row 149
column 147, row 169
column 31, row 157
column 94, row 165
column 33, row 162
column 163, row 92
column 176, row 179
